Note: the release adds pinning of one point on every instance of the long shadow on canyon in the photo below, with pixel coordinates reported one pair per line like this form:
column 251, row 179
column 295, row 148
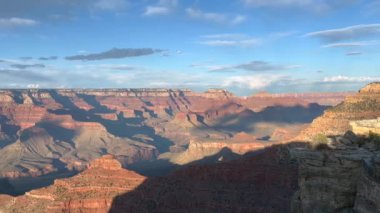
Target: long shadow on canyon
column 9, row 130
column 245, row 120
column 121, row 127
column 259, row 181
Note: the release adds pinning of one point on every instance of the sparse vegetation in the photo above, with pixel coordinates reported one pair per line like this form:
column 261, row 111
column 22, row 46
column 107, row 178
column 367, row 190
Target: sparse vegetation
column 367, row 104
column 374, row 138
column 319, row 142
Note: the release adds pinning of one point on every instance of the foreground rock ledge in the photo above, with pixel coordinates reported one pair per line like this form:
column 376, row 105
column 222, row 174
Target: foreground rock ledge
column 340, row 180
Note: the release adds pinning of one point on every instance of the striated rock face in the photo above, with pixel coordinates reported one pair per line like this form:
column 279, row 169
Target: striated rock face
column 336, row 121
column 91, row 191
column 107, row 162
column 364, row 127
column 340, row 179
column 240, row 144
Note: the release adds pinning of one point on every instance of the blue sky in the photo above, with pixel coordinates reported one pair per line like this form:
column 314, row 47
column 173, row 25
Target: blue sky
column 243, row 45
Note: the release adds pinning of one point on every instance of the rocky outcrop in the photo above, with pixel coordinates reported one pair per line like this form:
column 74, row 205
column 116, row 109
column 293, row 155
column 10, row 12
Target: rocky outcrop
column 341, row 172
column 336, row 121
column 364, row 127
column 341, row 178
column 240, row 144
column 93, row 190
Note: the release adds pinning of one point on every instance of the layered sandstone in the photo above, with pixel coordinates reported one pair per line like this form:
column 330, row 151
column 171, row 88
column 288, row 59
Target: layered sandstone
column 338, row 180
column 364, row 127
column 91, row 191
column 240, row 144
column 336, row 121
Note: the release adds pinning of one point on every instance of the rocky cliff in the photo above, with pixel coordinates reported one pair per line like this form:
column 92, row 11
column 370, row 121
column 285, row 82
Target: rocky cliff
column 336, row 121
column 340, row 172
column 343, row 179
column 91, row 191
column 365, row 127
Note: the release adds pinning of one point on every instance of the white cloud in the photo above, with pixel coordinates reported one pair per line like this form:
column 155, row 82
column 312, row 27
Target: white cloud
column 230, row 40
column 253, row 81
column 352, row 44
column 238, row 19
column 111, row 5
column 156, row 10
column 17, row 22
column 353, row 53
column 347, row 33
column 219, row 18
column 242, row 40
column 229, row 43
column 317, row 6
column 33, row 86
column 163, row 7
column 349, row 79
column 252, row 66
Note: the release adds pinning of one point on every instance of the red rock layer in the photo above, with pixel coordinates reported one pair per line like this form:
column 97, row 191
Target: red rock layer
column 91, row 191
column 262, row 183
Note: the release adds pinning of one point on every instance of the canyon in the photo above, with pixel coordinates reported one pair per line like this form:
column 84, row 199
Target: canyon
column 153, row 142
column 59, row 131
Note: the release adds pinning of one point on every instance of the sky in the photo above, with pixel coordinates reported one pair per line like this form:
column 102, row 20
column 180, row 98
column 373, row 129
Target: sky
column 245, row 46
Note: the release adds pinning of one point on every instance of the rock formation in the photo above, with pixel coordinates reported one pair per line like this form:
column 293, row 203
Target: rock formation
column 59, row 131
column 342, row 171
column 93, row 190
column 364, row 127
column 345, row 178
column 262, row 182
column 336, row 121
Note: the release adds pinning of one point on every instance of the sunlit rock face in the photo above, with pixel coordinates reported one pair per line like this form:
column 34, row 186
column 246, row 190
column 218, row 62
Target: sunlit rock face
column 336, row 121
column 342, row 172
column 365, row 127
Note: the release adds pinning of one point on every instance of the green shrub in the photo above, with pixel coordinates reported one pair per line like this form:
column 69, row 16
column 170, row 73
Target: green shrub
column 320, row 142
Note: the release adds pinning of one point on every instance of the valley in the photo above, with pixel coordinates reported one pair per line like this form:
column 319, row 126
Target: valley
column 48, row 134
